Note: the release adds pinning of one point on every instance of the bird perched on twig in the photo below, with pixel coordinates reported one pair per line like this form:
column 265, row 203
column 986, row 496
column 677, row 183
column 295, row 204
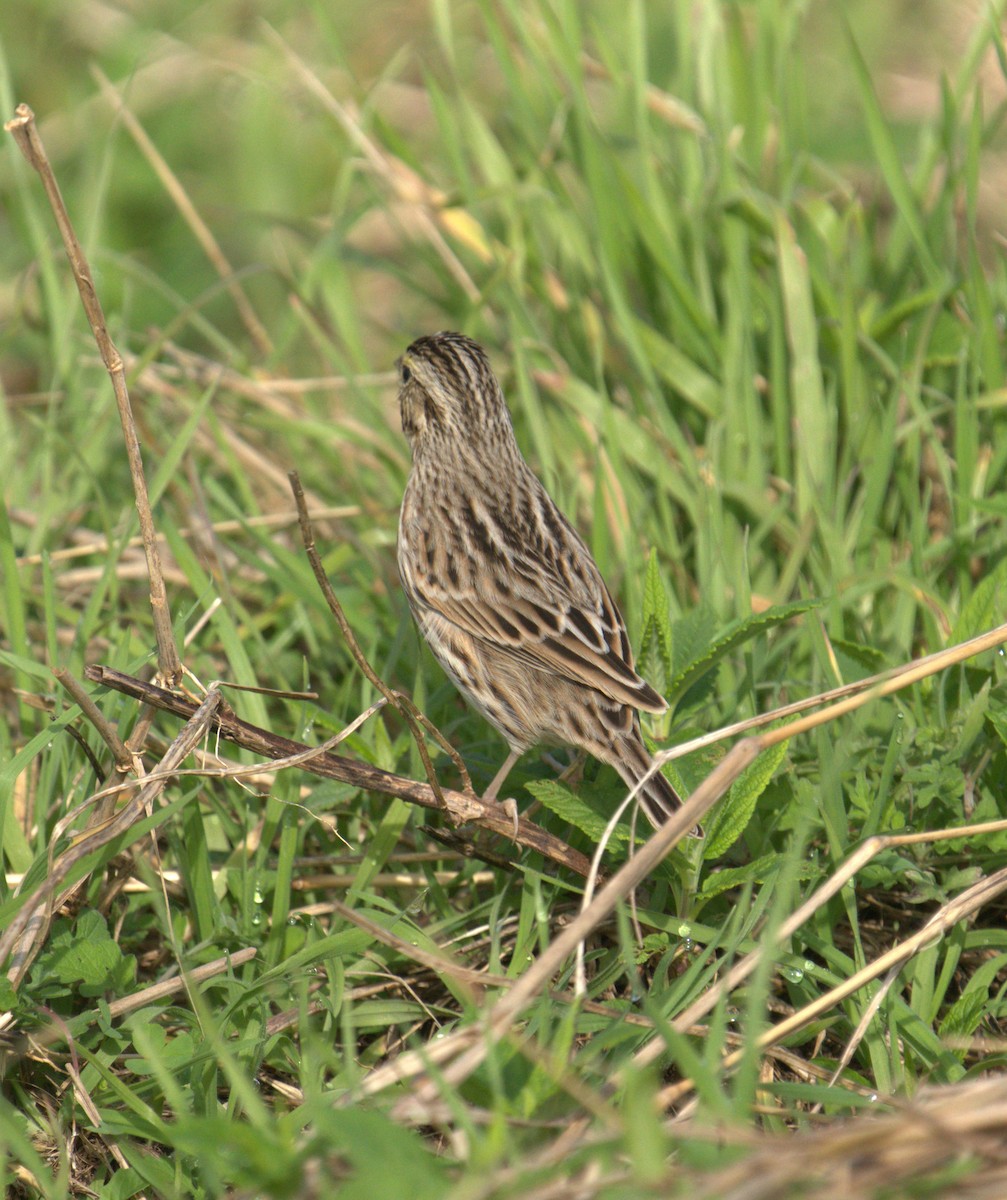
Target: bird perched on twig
column 503, row 589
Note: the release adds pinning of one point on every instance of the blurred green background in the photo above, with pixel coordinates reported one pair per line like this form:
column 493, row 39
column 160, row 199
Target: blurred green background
column 291, row 199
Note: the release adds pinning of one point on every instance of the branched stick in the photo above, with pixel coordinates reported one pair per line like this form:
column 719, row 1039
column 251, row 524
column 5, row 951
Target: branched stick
column 109, row 735
column 459, row 806
column 22, row 128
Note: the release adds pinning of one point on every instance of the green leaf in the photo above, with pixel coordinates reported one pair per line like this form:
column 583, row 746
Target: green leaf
column 732, row 816
column 692, row 383
column 29, row 667
column 998, row 719
column 691, row 637
column 984, row 609
column 174, row 1052
column 966, row 1014
column 757, row 871
column 736, row 634
column 855, row 660
column 657, row 640
column 83, row 952
column 8, row 995
column 813, row 417
column 890, row 162
column 760, row 871
column 384, row 1159
column 565, row 804
column 124, row 1184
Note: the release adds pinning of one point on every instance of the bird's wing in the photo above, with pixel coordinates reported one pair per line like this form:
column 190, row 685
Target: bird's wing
column 531, row 612
column 521, row 579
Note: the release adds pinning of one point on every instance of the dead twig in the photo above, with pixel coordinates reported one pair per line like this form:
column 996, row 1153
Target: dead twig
column 460, row 807
column 22, row 128
column 109, row 735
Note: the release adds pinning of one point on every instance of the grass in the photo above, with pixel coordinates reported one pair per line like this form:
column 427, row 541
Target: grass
column 749, row 318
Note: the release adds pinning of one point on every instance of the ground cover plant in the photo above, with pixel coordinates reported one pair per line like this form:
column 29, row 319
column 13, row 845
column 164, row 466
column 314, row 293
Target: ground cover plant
column 740, row 270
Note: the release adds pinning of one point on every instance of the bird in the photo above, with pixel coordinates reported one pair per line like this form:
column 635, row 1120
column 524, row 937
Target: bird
column 502, row 587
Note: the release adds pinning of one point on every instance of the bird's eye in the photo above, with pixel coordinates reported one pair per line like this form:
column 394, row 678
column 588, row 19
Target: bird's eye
column 405, row 373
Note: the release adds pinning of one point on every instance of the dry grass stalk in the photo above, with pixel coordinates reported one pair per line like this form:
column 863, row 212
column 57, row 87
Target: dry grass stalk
column 24, row 131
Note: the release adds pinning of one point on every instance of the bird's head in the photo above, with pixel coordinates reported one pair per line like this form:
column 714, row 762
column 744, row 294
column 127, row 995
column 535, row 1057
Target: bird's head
column 449, row 396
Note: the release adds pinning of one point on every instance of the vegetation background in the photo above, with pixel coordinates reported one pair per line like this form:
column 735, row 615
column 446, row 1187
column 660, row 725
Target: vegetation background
column 740, row 268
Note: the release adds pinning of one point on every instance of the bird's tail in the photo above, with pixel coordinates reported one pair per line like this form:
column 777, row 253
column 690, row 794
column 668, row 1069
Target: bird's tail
column 658, row 799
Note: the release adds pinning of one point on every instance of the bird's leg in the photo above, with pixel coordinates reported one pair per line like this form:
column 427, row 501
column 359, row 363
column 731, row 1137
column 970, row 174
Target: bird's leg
column 498, row 779
column 509, row 806
column 573, row 772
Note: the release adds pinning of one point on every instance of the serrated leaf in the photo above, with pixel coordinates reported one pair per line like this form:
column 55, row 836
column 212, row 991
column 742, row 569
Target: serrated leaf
column 998, row 719
column 964, row 1017
column 328, row 794
column 762, row 870
column 732, row 816
column 736, row 634
column 757, row 871
column 857, row 661
column 649, row 662
column 652, row 944
column 565, row 804
column 984, row 609
column 690, row 637
column 657, row 640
